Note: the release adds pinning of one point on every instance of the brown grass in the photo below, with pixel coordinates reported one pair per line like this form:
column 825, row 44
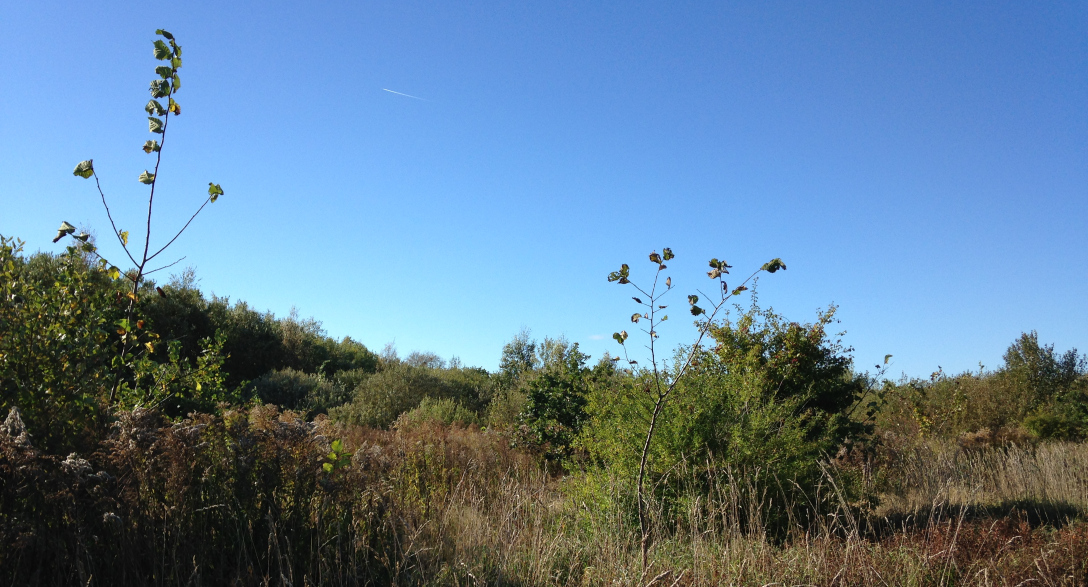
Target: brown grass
column 243, row 499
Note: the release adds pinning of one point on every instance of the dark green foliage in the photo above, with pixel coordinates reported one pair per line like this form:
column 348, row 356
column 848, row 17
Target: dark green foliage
column 1056, row 387
column 555, row 405
column 296, row 390
column 772, row 396
column 255, row 343
column 60, row 351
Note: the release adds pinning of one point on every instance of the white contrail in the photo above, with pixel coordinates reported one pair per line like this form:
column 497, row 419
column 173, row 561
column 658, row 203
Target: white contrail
column 402, row 94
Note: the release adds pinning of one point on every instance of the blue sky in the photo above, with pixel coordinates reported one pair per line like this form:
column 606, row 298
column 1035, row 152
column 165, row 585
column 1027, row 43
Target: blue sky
column 922, row 165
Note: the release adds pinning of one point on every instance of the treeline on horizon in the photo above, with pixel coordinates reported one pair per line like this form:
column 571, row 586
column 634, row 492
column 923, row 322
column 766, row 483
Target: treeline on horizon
column 253, row 356
column 278, row 429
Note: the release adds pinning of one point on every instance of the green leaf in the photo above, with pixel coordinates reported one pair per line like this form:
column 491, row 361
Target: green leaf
column 337, row 446
column 621, row 275
column 85, row 169
column 693, row 299
column 177, row 83
column 773, row 265
column 147, row 178
column 124, row 237
column 696, row 310
column 159, row 88
column 175, row 63
column 65, row 229
column 177, row 50
column 214, row 191
column 668, row 253
column 82, row 237
column 620, row 338
column 164, row 71
column 327, row 467
column 655, row 257
column 164, row 33
column 738, row 290
column 151, row 146
column 636, row 317
column 887, row 358
column 155, row 125
column 114, row 273
column 155, row 108
column 162, row 52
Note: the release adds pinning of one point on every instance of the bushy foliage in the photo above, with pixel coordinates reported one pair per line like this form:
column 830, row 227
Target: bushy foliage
column 299, row 391
column 771, row 400
column 441, row 411
column 60, row 350
column 254, row 343
column 1037, row 393
column 379, row 399
column 555, row 403
column 57, row 343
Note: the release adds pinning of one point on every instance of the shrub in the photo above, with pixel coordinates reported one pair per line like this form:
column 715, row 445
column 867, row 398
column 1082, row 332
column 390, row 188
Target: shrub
column 555, row 403
column 294, row 390
column 57, row 343
column 443, row 411
column 378, row 400
column 770, row 401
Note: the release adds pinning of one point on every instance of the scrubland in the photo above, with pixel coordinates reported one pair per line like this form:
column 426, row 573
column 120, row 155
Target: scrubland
column 246, row 449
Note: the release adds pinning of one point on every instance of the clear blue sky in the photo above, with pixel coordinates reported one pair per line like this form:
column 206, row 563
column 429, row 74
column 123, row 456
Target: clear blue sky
column 922, row 165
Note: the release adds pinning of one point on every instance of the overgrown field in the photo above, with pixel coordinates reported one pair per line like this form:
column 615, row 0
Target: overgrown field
column 238, row 448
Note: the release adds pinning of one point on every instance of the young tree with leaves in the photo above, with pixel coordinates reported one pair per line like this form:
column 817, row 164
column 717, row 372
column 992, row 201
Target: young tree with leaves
column 664, row 378
column 135, row 342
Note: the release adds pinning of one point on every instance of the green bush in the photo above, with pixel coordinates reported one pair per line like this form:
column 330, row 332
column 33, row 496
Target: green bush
column 57, row 343
column 294, row 390
column 1036, row 390
column 771, row 400
column 378, row 400
column 445, row 411
column 555, row 403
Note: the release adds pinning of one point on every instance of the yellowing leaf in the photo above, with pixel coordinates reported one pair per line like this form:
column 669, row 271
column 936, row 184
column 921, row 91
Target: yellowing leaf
column 85, row 169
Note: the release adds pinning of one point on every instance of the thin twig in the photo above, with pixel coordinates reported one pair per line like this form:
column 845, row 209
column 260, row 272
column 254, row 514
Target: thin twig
column 164, row 267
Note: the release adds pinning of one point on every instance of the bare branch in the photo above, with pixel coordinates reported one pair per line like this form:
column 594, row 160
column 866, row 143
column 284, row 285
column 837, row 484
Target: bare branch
column 164, row 266
column 182, row 229
column 116, row 232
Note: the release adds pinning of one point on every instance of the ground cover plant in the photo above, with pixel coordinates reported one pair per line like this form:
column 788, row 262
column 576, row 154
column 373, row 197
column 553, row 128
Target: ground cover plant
column 155, row 436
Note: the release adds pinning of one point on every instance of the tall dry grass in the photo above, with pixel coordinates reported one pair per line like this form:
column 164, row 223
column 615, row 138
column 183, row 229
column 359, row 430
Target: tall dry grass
column 244, row 499
column 1048, row 476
